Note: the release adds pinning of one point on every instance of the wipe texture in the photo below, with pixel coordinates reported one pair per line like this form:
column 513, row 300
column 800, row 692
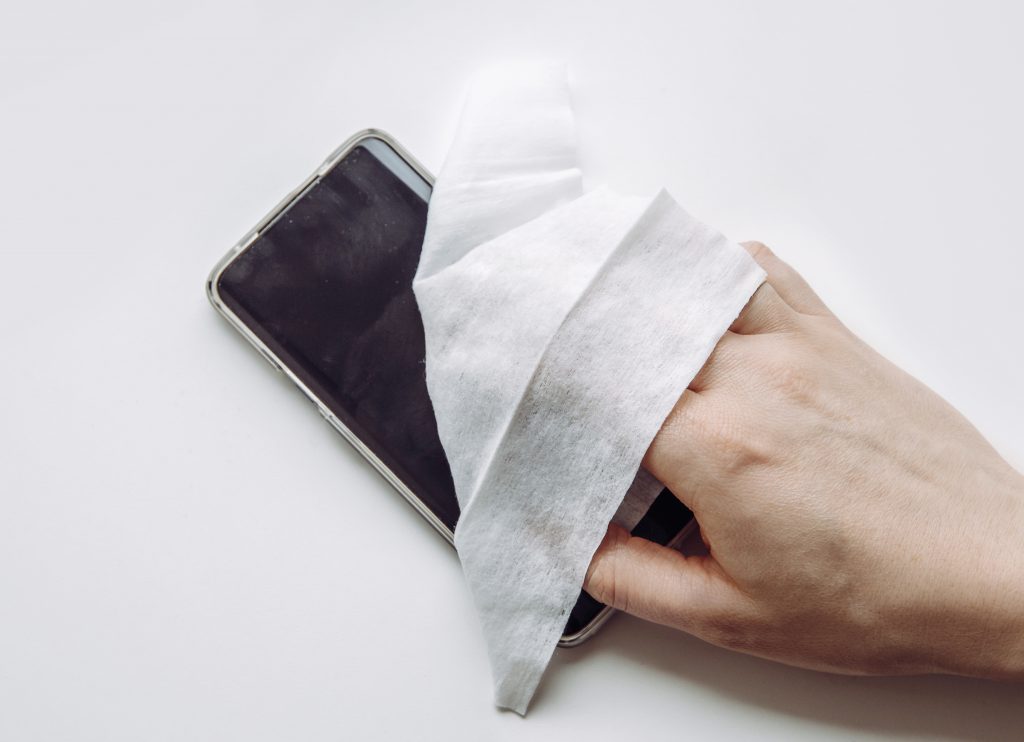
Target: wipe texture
column 561, row 328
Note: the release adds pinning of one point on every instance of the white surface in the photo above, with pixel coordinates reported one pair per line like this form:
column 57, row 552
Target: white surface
column 183, row 550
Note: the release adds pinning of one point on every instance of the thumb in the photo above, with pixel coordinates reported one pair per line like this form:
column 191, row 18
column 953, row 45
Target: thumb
column 656, row 583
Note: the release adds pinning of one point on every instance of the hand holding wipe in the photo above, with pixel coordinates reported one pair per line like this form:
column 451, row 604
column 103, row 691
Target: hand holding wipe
column 561, row 328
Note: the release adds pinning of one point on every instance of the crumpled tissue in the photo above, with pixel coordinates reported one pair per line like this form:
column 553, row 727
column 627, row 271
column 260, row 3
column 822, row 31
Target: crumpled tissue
column 561, row 328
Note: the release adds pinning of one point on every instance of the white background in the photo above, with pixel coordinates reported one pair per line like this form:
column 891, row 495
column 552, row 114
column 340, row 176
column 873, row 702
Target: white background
column 188, row 552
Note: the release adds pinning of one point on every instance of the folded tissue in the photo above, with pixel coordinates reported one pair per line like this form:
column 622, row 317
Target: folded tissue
column 561, row 328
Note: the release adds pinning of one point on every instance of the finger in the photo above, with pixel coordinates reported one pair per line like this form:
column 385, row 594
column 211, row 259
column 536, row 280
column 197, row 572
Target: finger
column 705, row 435
column 660, row 584
column 724, row 362
column 678, row 455
column 704, row 538
column 789, row 284
column 765, row 312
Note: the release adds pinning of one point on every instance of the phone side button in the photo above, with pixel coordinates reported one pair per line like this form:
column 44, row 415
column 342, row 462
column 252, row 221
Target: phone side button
column 327, row 417
column 266, row 357
column 335, row 423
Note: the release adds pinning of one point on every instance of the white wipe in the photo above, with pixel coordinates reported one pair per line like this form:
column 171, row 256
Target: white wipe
column 561, row 329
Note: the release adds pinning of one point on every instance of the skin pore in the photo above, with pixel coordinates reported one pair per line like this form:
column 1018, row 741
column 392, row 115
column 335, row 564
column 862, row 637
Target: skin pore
column 855, row 521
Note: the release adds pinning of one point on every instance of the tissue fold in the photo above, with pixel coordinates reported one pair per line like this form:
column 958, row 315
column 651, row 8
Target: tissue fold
column 561, row 328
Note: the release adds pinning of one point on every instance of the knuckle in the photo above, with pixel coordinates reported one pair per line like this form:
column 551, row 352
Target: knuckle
column 795, row 375
column 606, row 586
column 795, row 381
column 604, row 580
column 758, row 250
column 732, row 442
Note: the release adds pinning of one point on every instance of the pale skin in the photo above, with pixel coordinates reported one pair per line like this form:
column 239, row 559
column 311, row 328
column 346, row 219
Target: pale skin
column 855, row 521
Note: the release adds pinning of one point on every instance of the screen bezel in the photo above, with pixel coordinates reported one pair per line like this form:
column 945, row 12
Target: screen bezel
column 567, row 640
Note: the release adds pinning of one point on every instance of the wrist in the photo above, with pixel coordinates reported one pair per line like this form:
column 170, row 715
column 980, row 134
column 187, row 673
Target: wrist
column 994, row 626
column 1014, row 658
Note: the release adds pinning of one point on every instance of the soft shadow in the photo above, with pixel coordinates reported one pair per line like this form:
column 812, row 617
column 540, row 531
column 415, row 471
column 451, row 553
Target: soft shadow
column 933, row 706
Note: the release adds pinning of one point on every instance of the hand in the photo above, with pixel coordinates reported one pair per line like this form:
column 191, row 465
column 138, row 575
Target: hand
column 855, row 521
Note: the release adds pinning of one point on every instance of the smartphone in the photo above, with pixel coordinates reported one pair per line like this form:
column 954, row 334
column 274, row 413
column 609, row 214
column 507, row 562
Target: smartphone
column 322, row 288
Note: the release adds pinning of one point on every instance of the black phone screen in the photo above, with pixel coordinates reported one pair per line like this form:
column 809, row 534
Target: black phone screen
column 327, row 287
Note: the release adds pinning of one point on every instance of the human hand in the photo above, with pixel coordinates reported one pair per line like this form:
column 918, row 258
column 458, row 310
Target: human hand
column 855, row 521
